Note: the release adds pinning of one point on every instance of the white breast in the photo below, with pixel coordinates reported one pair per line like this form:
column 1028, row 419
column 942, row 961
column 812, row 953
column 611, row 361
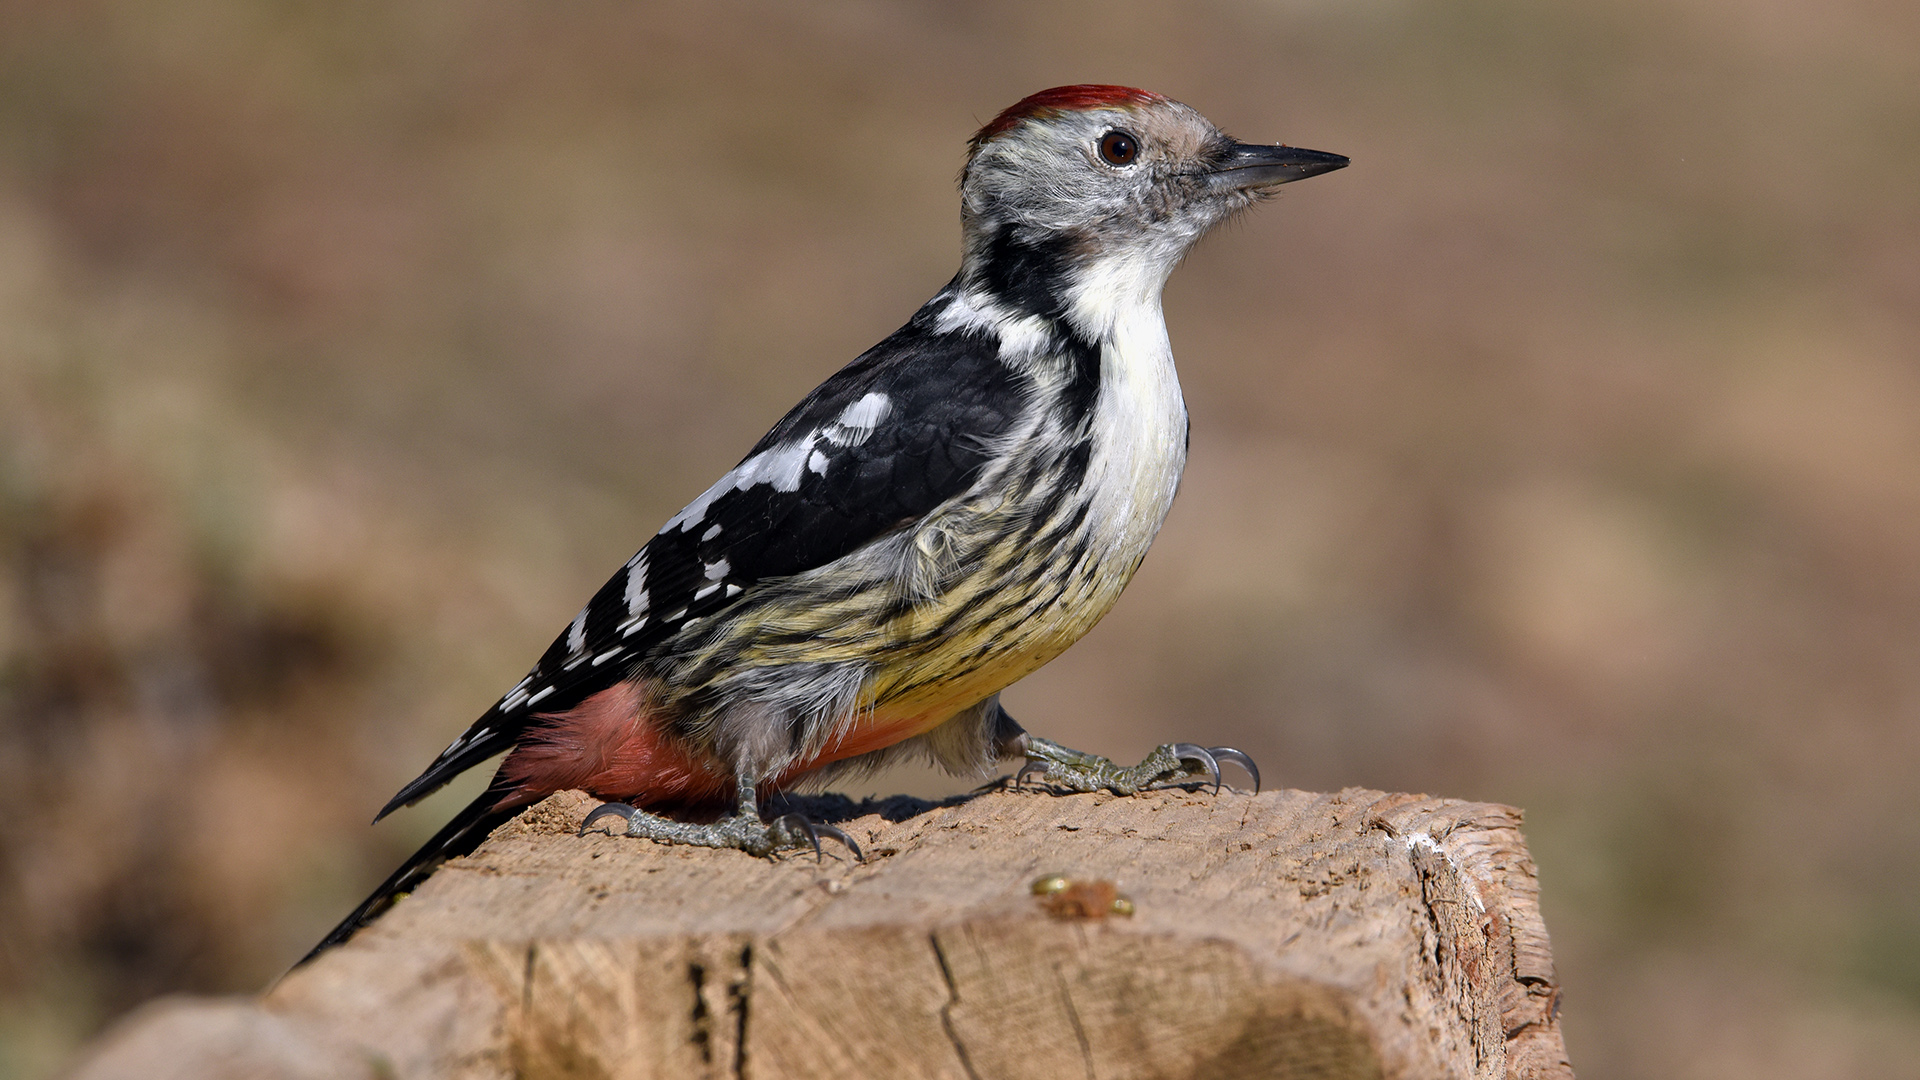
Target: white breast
column 1140, row 433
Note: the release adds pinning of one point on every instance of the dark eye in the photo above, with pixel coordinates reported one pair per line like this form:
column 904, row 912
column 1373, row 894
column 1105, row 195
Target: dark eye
column 1119, row 148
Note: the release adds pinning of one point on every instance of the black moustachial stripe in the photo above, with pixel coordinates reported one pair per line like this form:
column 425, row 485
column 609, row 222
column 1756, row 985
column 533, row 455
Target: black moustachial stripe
column 1030, row 272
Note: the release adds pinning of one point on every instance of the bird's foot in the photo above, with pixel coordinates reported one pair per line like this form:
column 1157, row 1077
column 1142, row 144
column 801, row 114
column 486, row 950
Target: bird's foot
column 745, row 832
column 1076, row 770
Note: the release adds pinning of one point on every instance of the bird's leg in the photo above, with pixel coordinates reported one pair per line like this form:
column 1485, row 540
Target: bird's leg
column 744, row 830
column 1077, row 770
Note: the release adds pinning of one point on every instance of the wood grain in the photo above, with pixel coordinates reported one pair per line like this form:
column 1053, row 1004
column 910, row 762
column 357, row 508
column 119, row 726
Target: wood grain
column 1288, row 934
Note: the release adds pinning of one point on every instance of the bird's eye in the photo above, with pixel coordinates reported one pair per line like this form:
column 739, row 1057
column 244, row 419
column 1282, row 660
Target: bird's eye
column 1119, row 148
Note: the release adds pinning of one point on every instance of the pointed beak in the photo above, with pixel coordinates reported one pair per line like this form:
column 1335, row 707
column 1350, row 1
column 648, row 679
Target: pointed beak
column 1251, row 167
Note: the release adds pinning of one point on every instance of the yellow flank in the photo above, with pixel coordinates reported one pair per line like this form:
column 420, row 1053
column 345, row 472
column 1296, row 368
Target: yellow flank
column 981, row 610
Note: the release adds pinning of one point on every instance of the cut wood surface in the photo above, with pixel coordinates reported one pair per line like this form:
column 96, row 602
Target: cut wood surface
column 1286, row 934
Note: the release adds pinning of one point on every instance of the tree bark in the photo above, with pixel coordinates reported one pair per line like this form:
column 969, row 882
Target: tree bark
column 1287, row 934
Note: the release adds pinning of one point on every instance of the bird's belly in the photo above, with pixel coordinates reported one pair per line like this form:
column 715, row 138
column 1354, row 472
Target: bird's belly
column 1022, row 603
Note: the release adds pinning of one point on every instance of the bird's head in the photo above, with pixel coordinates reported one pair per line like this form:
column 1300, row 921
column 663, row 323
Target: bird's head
column 1104, row 188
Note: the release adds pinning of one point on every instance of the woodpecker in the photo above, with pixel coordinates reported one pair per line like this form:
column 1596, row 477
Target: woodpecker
column 938, row 519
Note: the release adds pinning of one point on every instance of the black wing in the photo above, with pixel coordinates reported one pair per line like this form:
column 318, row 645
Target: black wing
column 905, row 427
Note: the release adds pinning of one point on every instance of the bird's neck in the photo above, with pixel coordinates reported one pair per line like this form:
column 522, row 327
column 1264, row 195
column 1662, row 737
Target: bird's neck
column 1030, row 285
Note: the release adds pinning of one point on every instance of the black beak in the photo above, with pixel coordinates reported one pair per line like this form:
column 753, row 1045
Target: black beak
column 1250, row 166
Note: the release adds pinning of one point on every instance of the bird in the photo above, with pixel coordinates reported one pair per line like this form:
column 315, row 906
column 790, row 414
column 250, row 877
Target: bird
column 938, row 519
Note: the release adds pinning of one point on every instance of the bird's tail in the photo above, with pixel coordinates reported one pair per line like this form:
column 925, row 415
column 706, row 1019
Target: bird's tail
column 459, row 837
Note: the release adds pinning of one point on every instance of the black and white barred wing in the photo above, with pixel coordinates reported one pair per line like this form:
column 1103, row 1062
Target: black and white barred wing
column 889, row 438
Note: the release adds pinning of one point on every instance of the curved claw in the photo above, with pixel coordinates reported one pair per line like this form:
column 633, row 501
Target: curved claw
column 1228, row 753
column 841, row 835
column 814, row 830
column 1020, row 777
column 1187, row 751
column 612, row 809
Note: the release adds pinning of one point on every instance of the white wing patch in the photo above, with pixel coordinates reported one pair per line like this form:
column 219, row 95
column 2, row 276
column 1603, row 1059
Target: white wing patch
column 637, row 598
column 784, row 465
column 576, row 642
column 780, row 466
column 516, row 696
column 474, row 736
column 1021, row 336
column 577, row 634
column 715, row 571
column 856, row 422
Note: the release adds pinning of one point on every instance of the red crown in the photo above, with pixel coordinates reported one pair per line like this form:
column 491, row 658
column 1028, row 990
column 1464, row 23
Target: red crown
column 1064, row 99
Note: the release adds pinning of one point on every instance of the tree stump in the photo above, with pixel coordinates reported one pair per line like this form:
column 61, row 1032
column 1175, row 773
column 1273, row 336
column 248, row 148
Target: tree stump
column 1287, row 934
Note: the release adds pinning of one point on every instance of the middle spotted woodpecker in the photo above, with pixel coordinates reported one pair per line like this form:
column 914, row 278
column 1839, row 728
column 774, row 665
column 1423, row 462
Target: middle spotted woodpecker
column 938, row 519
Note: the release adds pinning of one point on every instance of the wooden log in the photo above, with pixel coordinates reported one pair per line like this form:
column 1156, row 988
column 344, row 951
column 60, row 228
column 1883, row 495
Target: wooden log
column 1282, row 935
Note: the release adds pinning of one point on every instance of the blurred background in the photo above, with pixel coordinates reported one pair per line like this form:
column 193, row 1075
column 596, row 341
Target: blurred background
column 1564, row 451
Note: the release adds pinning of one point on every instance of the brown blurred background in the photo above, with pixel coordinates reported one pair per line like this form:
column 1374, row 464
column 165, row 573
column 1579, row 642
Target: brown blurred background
column 1564, row 451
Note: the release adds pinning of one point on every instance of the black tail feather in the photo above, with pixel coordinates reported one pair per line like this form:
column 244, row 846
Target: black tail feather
column 453, row 761
column 460, row 836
